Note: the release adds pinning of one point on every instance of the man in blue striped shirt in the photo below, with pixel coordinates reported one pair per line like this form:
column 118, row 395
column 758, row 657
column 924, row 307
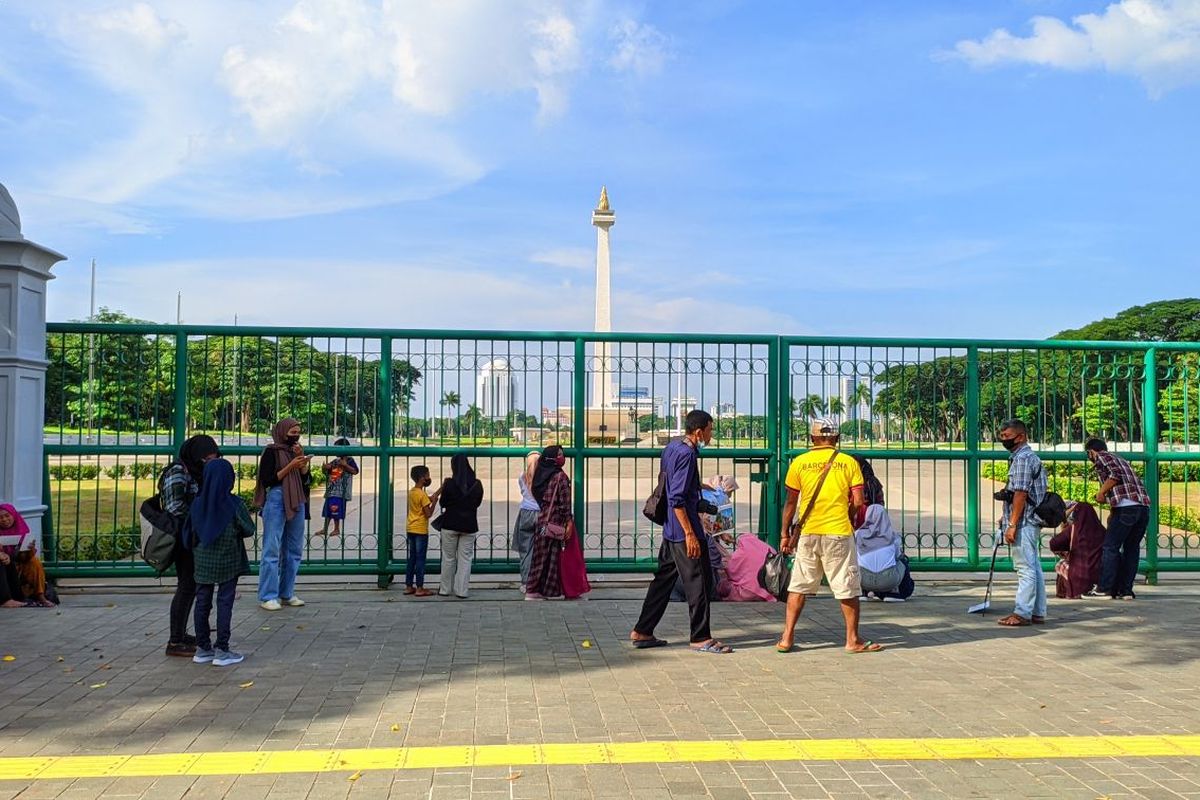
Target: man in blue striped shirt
column 1026, row 488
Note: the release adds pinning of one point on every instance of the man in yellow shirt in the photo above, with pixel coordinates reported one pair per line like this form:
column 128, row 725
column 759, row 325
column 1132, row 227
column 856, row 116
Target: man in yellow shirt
column 825, row 546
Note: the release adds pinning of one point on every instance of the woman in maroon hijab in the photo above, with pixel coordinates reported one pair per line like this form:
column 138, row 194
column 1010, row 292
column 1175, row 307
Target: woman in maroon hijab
column 1079, row 545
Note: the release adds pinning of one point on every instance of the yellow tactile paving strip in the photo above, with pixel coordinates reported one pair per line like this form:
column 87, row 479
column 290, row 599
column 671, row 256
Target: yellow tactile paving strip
column 268, row 762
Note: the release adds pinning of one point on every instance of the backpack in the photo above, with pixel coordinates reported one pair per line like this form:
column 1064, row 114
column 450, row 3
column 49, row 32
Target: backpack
column 159, row 531
column 872, row 486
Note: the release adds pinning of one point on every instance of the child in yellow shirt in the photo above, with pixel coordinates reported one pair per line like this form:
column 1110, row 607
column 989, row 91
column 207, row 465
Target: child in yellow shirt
column 420, row 509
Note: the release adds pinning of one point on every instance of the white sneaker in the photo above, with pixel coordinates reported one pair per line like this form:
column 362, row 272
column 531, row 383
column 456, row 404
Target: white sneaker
column 293, row 601
column 271, row 605
column 893, row 599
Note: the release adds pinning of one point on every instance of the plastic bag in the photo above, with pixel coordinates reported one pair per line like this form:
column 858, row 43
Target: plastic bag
column 775, row 575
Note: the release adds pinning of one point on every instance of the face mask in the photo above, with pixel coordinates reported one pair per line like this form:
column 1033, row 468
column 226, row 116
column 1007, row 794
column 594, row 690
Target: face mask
column 560, row 460
column 1009, row 444
column 293, row 440
column 701, row 444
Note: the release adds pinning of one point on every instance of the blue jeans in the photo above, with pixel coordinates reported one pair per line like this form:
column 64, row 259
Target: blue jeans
column 414, row 565
column 204, row 601
column 1122, row 548
column 282, row 549
column 1031, row 582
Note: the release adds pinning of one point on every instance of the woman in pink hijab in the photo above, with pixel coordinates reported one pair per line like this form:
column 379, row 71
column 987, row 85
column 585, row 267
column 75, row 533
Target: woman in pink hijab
column 22, row 577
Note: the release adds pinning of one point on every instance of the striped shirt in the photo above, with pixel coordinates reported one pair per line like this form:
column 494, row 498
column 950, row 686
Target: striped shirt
column 1129, row 491
column 1025, row 474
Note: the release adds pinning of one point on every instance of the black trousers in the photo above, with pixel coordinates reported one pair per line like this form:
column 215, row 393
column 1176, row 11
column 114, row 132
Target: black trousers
column 1122, row 548
column 10, row 584
column 697, row 576
column 225, row 592
column 185, row 592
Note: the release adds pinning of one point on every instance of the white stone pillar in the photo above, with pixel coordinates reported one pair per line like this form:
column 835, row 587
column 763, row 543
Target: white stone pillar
column 603, row 218
column 24, row 271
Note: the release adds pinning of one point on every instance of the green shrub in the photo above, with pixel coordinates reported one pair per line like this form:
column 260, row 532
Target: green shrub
column 144, row 469
column 115, row 545
column 116, row 471
column 248, row 471
column 89, row 472
column 247, row 496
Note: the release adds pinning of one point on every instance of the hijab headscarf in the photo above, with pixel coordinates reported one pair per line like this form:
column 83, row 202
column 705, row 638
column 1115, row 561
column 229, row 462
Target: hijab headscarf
column 876, row 532
column 293, row 486
column 19, row 528
column 547, row 468
column 193, row 452
column 462, row 474
column 726, row 483
column 215, row 505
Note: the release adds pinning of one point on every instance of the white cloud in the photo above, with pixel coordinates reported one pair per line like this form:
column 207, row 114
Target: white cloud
column 640, row 48
column 332, row 104
column 1157, row 41
column 579, row 258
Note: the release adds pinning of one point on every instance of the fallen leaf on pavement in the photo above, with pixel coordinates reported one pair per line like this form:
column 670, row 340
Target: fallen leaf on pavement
column 246, row 685
column 512, row 776
column 355, row 776
column 1106, row 722
column 587, row 643
column 60, row 658
column 106, row 666
column 265, row 628
column 99, row 685
column 10, row 658
column 395, row 728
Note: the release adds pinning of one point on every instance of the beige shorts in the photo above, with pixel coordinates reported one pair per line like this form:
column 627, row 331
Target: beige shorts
column 833, row 557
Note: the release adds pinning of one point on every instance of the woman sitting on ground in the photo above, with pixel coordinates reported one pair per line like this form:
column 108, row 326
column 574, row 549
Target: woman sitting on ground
column 882, row 565
column 1080, row 545
column 22, row 577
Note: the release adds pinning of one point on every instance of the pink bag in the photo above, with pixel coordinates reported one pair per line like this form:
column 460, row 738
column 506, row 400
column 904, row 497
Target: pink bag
column 571, row 567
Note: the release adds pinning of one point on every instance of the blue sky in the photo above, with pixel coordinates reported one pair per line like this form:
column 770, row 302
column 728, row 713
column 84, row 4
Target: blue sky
column 991, row 169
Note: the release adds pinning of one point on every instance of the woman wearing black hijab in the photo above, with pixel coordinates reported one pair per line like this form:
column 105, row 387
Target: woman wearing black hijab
column 462, row 494
column 177, row 488
column 552, row 489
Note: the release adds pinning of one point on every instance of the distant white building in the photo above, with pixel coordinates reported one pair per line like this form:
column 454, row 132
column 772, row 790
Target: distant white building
column 496, row 389
column 639, row 399
column 723, row 411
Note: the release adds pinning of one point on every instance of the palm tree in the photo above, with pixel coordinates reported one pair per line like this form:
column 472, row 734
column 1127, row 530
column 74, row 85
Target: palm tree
column 450, row 399
column 861, row 396
column 812, row 406
column 473, row 416
column 837, row 407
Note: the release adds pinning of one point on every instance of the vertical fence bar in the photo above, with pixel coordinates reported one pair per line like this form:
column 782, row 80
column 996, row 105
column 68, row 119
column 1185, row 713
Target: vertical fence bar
column 1150, row 451
column 49, row 540
column 579, row 433
column 179, row 419
column 973, row 461
column 383, row 525
column 777, row 435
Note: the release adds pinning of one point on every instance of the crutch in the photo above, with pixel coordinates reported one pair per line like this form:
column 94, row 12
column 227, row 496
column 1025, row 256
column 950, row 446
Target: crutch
column 982, row 608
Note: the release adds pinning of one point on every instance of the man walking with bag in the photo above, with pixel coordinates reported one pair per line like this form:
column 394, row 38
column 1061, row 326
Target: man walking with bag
column 684, row 549
column 830, row 483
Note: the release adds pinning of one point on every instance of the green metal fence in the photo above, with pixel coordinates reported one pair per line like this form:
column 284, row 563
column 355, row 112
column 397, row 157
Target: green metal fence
column 120, row 398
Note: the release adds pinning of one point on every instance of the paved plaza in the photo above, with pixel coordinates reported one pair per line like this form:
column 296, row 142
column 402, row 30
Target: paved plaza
column 371, row 694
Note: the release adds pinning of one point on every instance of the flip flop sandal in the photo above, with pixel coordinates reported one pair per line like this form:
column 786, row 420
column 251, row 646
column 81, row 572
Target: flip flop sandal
column 646, row 644
column 1013, row 621
column 785, row 650
column 868, row 647
column 714, row 647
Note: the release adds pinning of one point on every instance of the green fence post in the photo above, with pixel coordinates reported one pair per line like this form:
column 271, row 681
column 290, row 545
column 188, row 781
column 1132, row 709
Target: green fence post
column 579, row 436
column 49, row 540
column 383, row 525
column 1150, row 450
column 777, row 433
column 179, row 419
column 973, row 457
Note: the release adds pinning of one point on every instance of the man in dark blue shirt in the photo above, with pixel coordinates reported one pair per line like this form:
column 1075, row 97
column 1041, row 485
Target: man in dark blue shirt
column 684, row 550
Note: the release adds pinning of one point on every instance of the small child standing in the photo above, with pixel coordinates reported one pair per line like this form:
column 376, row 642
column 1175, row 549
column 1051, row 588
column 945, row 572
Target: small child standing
column 217, row 526
column 420, row 509
column 338, row 489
